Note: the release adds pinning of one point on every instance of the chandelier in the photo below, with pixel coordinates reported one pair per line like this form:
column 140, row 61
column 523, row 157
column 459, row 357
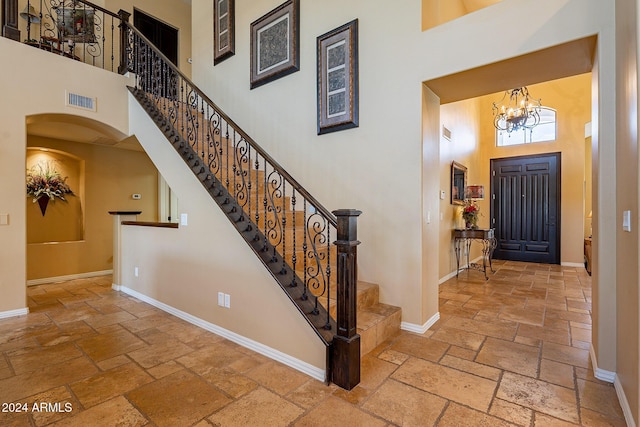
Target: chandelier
column 520, row 111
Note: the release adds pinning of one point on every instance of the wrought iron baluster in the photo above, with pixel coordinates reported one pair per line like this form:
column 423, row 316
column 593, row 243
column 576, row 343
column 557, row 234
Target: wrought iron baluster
column 283, row 231
column 305, row 231
column 294, row 283
column 257, row 168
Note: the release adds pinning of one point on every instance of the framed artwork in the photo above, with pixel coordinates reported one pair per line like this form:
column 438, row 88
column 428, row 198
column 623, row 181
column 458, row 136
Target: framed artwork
column 338, row 79
column 224, row 36
column 76, row 25
column 275, row 44
column 475, row 192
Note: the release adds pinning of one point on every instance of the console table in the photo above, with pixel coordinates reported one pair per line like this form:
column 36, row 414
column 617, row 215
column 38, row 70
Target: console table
column 464, row 237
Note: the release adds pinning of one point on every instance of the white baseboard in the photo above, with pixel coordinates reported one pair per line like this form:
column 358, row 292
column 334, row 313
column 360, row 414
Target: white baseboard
column 447, row 277
column 612, row 377
column 14, row 313
column 600, row 374
column 269, row 352
column 34, row 282
column 420, row 329
column 462, row 267
column 624, row 403
column 572, row 264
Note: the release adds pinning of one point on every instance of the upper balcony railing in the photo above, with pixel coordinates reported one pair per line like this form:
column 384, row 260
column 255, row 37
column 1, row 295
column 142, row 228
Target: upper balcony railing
column 75, row 29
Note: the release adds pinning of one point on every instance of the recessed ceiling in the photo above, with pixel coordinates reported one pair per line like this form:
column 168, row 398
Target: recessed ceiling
column 564, row 60
column 473, row 5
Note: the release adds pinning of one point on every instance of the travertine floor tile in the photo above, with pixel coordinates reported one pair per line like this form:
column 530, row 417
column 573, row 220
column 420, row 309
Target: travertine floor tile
column 102, row 387
column 417, row 346
column 260, row 407
column 179, row 399
column 403, row 405
column 510, row 350
column 448, row 383
column 510, row 356
column 335, row 412
column 599, row 398
column 457, row 415
column 511, row 412
column 540, row 396
column 277, row 377
column 116, row 412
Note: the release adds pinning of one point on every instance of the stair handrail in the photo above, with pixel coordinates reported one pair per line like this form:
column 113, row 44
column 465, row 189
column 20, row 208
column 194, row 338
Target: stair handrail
column 172, row 99
column 298, row 187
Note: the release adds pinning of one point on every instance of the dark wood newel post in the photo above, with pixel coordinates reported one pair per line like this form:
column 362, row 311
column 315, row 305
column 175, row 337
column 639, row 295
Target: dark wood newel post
column 345, row 359
column 124, row 40
column 10, row 20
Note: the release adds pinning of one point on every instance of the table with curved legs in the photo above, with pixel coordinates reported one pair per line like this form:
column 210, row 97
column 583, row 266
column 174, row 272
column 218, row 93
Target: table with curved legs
column 464, row 237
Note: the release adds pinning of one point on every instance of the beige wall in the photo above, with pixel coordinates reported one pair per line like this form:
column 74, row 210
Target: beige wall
column 436, row 12
column 111, row 176
column 628, row 180
column 332, row 166
column 462, row 119
column 187, row 267
column 44, row 96
column 571, row 97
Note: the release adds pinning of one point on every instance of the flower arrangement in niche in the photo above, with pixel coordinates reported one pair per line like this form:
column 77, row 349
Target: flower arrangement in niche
column 470, row 213
column 45, row 183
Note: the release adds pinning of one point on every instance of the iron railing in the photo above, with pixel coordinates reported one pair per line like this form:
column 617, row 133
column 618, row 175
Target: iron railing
column 77, row 29
column 299, row 240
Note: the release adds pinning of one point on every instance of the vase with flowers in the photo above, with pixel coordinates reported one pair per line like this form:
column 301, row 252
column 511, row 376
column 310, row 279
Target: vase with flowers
column 470, row 213
column 45, row 183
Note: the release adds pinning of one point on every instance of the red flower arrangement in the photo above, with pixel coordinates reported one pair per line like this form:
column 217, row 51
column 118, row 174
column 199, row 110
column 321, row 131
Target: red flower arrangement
column 470, row 213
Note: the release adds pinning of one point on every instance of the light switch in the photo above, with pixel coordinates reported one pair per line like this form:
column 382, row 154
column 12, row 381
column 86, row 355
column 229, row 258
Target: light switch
column 4, row 219
column 183, row 219
column 626, row 221
column 442, row 195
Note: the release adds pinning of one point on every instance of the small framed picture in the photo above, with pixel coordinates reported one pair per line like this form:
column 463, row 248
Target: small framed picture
column 224, row 36
column 338, row 78
column 275, row 44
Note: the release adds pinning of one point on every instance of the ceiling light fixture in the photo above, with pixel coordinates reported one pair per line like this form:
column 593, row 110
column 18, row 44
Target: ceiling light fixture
column 519, row 112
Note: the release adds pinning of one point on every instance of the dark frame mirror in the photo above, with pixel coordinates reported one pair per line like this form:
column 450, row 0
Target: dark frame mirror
column 458, row 183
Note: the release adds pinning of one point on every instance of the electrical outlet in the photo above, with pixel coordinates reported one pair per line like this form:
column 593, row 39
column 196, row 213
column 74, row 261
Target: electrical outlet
column 227, row 301
column 135, row 271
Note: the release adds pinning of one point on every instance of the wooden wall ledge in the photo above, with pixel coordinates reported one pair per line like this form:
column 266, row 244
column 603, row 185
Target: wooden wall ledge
column 151, row 224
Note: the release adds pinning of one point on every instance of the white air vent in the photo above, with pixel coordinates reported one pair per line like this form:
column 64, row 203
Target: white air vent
column 80, row 101
column 446, row 133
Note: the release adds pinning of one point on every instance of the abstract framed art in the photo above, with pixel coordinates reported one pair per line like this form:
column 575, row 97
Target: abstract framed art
column 223, row 30
column 275, row 44
column 337, row 59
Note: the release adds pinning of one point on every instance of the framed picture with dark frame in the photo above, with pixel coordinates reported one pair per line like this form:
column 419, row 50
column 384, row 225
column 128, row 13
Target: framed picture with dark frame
column 275, row 44
column 224, row 36
column 338, row 79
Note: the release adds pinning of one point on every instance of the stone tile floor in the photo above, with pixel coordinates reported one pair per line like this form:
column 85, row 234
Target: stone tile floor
column 513, row 350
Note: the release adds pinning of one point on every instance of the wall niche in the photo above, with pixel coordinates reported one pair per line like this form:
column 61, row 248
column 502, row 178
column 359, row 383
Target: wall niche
column 63, row 220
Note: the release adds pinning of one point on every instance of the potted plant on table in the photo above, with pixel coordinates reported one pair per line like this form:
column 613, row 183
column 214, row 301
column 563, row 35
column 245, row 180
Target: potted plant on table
column 470, row 213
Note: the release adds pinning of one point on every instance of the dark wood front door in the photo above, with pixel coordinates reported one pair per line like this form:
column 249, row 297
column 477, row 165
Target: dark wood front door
column 525, row 209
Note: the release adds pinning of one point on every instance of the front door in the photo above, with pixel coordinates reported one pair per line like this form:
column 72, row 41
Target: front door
column 525, row 209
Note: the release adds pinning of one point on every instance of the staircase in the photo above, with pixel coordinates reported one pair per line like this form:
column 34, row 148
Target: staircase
column 309, row 251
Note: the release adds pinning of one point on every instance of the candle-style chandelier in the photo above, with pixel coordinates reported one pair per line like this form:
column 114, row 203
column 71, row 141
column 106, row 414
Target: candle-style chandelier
column 519, row 112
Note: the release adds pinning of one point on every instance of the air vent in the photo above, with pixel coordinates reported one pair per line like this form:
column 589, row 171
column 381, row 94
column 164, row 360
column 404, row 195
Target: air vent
column 446, row 133
column 80, row 101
